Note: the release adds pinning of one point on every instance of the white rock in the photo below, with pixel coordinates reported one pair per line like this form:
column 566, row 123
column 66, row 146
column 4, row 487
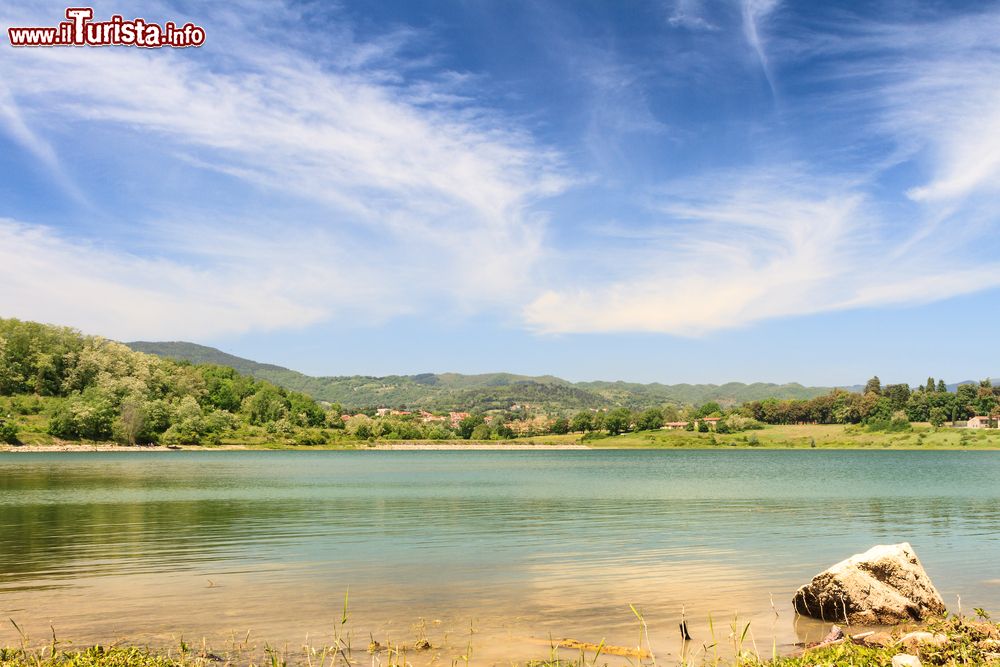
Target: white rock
column 905, row 660
column 884, row 585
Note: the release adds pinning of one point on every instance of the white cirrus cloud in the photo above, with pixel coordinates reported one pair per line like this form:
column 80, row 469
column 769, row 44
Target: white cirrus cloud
column 736, row 250
column 436, row 191
column 50, row 278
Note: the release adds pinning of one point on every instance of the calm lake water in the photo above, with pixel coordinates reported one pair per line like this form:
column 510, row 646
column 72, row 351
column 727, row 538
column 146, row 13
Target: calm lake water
column 517, row 546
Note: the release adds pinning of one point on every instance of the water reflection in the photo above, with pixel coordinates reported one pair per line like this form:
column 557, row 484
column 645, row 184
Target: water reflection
column 517, row 544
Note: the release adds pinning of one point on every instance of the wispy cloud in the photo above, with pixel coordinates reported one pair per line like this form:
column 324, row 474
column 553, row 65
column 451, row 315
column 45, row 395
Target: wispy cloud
column 755, row 14
column 690, row 14
column 412, row 191
column 54, row 279
column 401, row 168
column 761, row 242
column 738, row 249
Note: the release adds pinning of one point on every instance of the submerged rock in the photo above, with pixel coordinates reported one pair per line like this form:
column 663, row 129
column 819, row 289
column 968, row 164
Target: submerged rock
column 884, row 585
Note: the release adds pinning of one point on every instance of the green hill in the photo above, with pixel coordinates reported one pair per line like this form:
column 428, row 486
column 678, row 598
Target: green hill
column 455, row 391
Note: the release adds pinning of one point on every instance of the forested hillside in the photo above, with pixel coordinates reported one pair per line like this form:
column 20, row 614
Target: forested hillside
column 454, row 391
column 97, row 389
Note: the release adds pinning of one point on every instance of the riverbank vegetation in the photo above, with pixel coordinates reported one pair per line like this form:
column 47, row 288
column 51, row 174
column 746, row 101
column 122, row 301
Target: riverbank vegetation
column 58, row 386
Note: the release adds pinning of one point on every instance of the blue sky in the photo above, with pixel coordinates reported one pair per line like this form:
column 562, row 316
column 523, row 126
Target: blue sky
column 673, row 191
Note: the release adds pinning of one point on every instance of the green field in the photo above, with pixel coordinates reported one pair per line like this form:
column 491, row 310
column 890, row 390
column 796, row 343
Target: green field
column 806, row 436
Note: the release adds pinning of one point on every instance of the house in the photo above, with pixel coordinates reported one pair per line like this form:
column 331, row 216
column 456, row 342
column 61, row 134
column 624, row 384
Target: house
column 710, row 422
column 426, row 417
column 455, row 417
column 981, row 422
column 674, row 425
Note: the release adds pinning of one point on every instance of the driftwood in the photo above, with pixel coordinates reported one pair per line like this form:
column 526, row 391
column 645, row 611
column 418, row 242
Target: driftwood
column 623, row 651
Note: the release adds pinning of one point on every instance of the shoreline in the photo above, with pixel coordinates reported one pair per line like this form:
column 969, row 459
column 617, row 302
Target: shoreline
column 958, row 639
column 495, row 446
column 140, row 449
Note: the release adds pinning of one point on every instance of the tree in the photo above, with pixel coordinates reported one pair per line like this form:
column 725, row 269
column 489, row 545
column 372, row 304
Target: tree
column 942, row 387
column 8, row 430
column 267, row 404
column 360, row 426
column 89, row 414
column 986, row 400
column 930, row 386
column 560, row 426
column 617, row 421
column 304, row 411
column 131, row 423
column 709, row 409
column 649, row 420
column 582, row 421
column 873, row 386
column 481, row 432
column 965, row 400
column 898, row 395
column 468, row 425
column 917, row 408
column 938, row 416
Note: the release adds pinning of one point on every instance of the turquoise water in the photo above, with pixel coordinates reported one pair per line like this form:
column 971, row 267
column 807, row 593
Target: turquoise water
column 517, row 545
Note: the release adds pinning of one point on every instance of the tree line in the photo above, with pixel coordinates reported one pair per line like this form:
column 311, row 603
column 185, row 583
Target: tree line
column 883, row 407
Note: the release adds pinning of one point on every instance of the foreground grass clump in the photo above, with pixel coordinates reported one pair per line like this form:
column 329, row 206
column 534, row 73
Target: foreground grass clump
column 956, row 641
column 95, row 656
column 964, row 642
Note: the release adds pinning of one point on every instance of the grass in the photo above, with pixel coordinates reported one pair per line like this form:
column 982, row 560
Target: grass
column 969, row 642
column 809, row 436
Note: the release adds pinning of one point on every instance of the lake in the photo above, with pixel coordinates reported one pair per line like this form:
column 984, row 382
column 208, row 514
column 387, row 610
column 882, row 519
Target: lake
column 503, row 549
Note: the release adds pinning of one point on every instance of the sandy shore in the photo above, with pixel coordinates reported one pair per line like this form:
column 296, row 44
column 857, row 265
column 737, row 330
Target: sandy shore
column 398, row 446
column 485, row 445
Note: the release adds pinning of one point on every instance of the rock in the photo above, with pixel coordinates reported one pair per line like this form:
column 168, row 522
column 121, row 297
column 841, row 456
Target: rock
column 988, row 630
column 905, row 660
column 835, row 636
column 878, row 639
column 882, row 586
column 914, row 640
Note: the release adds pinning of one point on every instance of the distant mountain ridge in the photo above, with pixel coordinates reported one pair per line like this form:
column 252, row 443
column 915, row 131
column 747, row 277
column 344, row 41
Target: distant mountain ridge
column 456, row 391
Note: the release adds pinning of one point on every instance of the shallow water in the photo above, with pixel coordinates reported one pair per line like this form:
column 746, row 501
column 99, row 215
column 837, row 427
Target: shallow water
column 517, row 546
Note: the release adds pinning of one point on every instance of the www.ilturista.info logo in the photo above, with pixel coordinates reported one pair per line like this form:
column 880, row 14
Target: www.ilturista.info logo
column 81, row 30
